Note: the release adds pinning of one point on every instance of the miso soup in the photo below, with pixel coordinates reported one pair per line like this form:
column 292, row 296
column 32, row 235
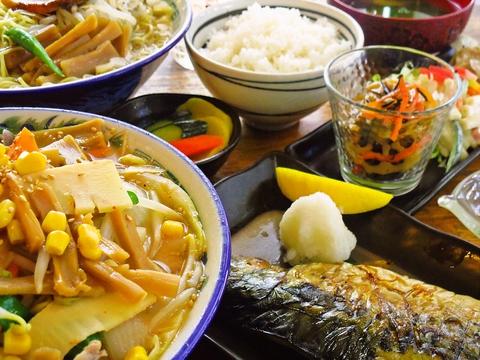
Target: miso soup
column 417, row 9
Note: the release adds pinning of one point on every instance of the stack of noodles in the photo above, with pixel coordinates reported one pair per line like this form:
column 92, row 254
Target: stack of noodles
column 131, row 267
column 84, row 39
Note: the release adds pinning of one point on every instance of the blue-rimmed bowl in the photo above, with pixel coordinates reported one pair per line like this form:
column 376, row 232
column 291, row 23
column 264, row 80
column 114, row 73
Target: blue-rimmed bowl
column 197, row 186
column 101, row 93
column 266, row 101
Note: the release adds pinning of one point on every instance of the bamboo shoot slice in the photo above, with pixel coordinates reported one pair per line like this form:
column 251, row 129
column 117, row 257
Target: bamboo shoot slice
column 108, row 33
column 83, row 28
column 122, row 42
column 86, row 63
column 62, row 326
column 45, row 36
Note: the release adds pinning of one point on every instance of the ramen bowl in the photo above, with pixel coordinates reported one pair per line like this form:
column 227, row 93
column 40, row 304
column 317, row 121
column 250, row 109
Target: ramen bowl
column 268, row 101
column 193, row 181
column 430, row 34
column 101, row 93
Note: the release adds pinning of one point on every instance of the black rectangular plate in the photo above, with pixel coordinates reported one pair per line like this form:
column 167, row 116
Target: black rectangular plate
column 407, row 245
column 318, row 151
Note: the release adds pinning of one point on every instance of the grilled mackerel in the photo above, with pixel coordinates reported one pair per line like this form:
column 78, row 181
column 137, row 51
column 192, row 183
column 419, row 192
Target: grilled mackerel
column 346, row 311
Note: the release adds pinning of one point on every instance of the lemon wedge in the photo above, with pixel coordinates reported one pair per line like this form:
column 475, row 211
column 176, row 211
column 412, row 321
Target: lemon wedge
column 349, row 198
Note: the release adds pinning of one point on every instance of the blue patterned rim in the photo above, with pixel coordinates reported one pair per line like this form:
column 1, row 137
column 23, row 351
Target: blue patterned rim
column 314, row 14
column 115, row 73
column 214, row 301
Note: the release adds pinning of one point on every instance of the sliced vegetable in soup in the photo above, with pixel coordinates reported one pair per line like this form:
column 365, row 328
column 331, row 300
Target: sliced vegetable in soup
column 101, row 251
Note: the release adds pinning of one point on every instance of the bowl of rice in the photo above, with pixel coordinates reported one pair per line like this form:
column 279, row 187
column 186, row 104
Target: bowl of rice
column 267, row 58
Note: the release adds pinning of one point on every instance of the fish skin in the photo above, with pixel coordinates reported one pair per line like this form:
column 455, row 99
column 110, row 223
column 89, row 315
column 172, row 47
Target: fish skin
column 344, row 311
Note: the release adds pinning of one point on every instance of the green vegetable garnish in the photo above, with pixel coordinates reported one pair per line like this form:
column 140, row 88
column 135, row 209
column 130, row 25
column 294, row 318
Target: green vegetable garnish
column 456, row 151
column 159, row 124
column 133, row 197
column 13, row 305
column 376, row 77
column 32, row 45
column 77, row 349
column 5, row 274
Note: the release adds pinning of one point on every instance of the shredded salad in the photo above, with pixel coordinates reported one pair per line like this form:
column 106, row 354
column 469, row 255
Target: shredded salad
column 462, row 132
column 389, row 134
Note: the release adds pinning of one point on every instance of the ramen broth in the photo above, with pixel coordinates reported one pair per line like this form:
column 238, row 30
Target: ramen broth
column 416, row 9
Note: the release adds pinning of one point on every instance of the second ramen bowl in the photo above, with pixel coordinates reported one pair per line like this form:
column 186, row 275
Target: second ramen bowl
column 101, row 93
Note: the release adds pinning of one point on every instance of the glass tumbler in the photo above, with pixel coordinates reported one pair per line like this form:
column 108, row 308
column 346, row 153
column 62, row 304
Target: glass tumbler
column 381, row 146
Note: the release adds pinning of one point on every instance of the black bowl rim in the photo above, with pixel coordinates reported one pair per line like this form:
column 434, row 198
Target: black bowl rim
column 232, row 112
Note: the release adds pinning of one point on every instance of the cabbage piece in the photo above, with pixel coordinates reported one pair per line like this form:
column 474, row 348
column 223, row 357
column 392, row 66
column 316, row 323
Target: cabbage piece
column 174, row 197
column 62, row 326
column 125, row 336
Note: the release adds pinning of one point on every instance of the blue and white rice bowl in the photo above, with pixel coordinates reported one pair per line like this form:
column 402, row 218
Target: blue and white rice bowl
column 269, row 101
column 201, row 191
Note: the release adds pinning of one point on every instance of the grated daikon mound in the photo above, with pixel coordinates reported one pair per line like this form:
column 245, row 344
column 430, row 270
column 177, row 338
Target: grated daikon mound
column 312, row 230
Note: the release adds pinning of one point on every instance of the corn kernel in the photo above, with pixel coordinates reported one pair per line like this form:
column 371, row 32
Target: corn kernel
column 131, row 159
column 15, row 232
column 46, row 353
column 30, row 162
column 136, row 353
column 172, row 229
column 7, row 212
column 88, row 219
column 54, row 220
column 5, row 162
column 16, row 340
column 89, row 241
column 11, row 357
column 57, row 242
column 3, row 149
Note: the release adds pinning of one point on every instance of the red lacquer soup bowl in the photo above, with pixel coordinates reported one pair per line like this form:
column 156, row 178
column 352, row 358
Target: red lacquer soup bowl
column 428, row 34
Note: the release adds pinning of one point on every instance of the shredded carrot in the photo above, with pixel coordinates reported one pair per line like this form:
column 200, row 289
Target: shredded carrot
column 398, row 120
column 100, row 152
column 370, row 155
column 407, row 152
column 24, row 141
column 13, row 269
column 397, row 125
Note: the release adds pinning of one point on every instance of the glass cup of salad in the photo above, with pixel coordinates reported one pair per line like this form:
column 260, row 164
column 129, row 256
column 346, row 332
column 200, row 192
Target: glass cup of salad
column 389, row 105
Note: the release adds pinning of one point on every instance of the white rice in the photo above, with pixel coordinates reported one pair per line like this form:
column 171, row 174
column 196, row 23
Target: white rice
column 275, row 40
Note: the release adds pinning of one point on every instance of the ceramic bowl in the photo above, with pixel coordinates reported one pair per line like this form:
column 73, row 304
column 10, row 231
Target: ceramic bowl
column 101, row 93
column 431, row 34
column 198, row 187
column 266, row 101
column 141, row 110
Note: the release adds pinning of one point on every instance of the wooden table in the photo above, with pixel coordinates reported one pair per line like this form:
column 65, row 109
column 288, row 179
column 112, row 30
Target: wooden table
column 254, row 144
